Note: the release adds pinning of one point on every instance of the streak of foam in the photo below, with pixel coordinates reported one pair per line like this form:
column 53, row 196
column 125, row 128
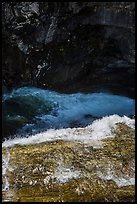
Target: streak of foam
column 118, row 180
column 5, row 166
column 97, row 131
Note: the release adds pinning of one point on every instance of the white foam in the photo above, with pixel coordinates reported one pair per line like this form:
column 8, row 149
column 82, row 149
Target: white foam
column 98, row 130
column 5, row 166
column 64, row 174
column 125, row 182
column 103, row 127
column 120, row 181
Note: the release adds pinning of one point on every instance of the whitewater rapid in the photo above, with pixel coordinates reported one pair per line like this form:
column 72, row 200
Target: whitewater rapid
column 85, row 118
column 98, row 130
column 44, row 109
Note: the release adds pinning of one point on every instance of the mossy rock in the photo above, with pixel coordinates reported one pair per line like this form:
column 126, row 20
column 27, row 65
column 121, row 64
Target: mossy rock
column 70, row 171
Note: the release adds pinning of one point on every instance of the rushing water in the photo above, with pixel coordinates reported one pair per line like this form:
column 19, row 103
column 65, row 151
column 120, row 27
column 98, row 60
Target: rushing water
column 32, row 116
column 30, row 110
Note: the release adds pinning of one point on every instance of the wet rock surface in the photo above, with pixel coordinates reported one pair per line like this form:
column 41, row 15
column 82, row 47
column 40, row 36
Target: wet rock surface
column 69, row 46
column 65, row 171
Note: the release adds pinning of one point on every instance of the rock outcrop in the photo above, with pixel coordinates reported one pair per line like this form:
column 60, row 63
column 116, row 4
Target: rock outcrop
column 69, row 46
column 70, row 171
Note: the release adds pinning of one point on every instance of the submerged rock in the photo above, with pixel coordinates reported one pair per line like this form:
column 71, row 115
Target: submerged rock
column 70, row 171
column 10, row 124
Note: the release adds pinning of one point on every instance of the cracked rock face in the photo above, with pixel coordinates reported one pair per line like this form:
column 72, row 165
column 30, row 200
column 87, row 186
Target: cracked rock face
column 70, row 46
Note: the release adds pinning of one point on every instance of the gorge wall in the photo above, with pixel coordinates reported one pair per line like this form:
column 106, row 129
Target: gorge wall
column 69, row 46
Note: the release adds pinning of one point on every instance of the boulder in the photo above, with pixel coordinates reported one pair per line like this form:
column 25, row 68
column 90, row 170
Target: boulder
column 70, row 171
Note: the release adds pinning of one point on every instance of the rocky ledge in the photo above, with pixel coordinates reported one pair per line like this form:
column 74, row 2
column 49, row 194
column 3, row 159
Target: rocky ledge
column 66, row 171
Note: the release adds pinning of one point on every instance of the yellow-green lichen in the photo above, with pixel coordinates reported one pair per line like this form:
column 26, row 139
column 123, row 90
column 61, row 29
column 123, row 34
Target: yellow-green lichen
column 70, row 171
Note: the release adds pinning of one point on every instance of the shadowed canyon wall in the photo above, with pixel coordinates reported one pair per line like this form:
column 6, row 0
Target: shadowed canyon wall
column 69, row 46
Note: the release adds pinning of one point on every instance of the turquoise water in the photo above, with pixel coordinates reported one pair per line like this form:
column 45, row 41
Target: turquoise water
column 31, row 110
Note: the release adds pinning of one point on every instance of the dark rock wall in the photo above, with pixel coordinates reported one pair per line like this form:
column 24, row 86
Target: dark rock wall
column 69, row 46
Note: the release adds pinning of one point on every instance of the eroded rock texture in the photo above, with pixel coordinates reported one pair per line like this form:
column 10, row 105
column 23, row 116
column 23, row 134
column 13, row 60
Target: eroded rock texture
column 69, row 46
column 70, row 171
